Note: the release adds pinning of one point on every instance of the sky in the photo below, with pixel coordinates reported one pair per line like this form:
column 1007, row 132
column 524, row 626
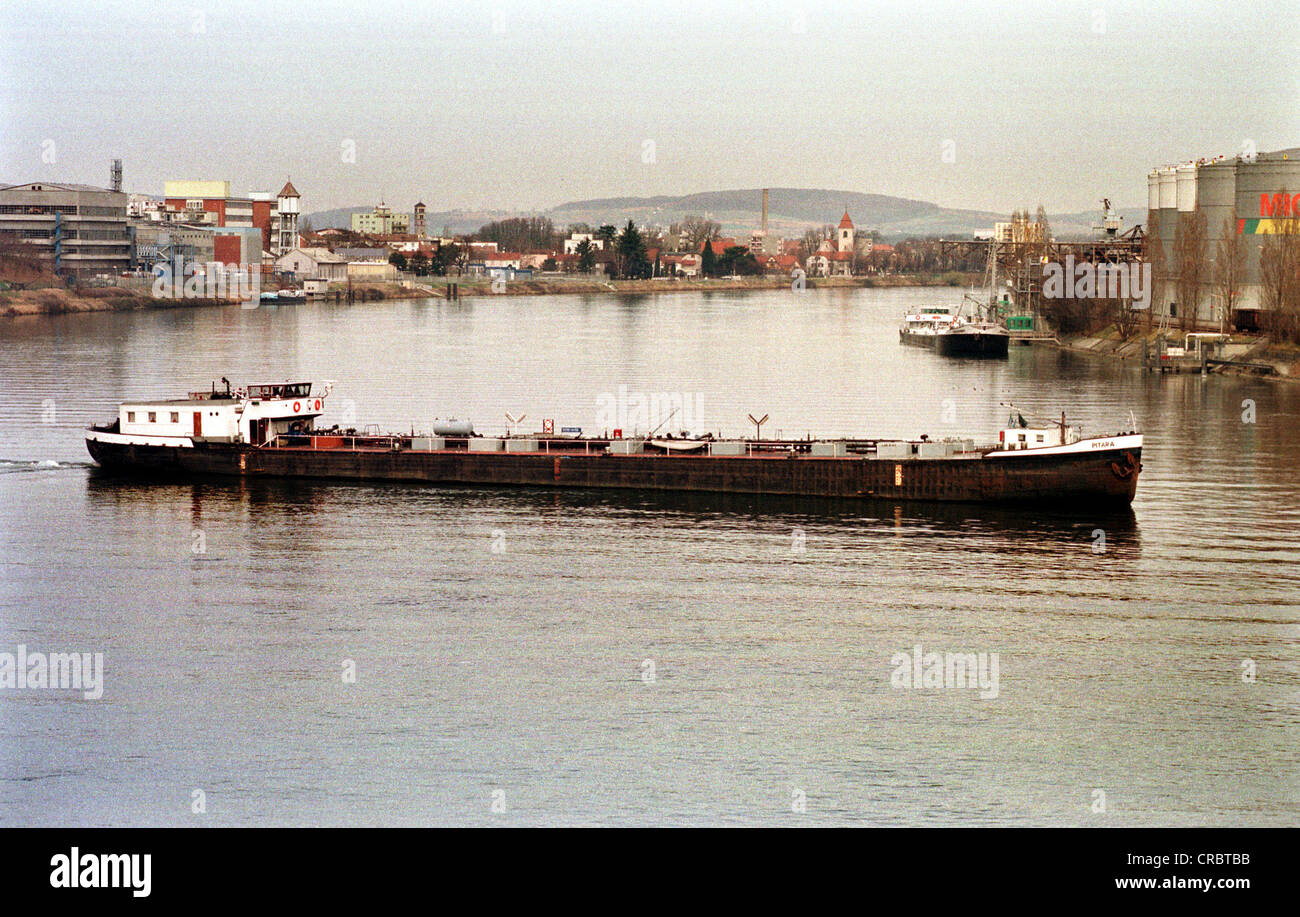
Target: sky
column 525, row 105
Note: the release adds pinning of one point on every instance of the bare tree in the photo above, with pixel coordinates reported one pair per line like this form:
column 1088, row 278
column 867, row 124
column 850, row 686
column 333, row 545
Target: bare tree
column 812, row 240
column 1229, row 268
column 1126, row 317
column 1191, row 261
column 653, row 237
column 1153, row 253
column 1043, row 230
column 697, row 230
column 1279, row 274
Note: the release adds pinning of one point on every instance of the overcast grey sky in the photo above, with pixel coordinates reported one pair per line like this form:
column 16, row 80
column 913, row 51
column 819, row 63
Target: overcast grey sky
column 525, row 105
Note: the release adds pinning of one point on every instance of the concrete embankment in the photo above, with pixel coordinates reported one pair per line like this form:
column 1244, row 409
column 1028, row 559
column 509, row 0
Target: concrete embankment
column 1247, row 355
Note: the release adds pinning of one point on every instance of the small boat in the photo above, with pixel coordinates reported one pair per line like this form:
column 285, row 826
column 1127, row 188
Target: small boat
column 920, row 328
column 972, row 339
column 680, row 445
column 983, row 335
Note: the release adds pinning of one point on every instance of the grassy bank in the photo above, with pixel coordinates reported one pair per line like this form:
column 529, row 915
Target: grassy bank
column 60, row 301
column 57, row 300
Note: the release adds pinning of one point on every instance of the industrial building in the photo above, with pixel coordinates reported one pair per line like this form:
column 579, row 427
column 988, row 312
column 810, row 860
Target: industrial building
column 153, row 241
column 236, row 246
column 211, row 203
column 1249, row 196
column 80, row 229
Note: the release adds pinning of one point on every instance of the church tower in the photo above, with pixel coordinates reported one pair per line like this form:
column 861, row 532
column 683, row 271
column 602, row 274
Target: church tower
column 846, row 233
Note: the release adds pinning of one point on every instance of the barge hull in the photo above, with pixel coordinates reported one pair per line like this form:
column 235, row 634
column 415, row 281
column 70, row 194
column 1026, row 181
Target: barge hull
column 1098, row 477
column 990, row 346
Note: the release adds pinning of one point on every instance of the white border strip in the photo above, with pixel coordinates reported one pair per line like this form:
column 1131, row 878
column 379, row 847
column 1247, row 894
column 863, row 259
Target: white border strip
column 132, row 439
column 1096, row 444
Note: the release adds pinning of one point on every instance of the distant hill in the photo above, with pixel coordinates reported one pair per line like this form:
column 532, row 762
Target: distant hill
column 791, row 211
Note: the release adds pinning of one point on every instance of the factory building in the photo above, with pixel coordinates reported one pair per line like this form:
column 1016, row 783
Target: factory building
column 80, row 229
column 153, row 241
column 211, row 203
column 1243, row 199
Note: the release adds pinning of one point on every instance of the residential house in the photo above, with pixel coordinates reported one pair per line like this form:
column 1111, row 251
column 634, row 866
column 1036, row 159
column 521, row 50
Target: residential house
column 313, row 264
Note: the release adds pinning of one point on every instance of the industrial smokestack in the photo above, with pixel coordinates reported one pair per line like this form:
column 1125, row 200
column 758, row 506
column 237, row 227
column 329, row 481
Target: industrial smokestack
column 115, row 176
column 764, row 211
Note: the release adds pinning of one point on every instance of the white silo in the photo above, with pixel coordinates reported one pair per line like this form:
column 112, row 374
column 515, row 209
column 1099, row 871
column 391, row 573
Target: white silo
column 1185, row 185
column 1168, row 188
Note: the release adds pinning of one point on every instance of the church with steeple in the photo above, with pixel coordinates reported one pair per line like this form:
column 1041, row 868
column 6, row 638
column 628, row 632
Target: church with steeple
column 835, row 258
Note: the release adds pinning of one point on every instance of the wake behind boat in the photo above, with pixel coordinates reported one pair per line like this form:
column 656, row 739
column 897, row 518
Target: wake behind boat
column 268, row 430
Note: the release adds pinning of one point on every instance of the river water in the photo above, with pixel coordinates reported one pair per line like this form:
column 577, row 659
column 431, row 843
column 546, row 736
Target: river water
column 524, row 657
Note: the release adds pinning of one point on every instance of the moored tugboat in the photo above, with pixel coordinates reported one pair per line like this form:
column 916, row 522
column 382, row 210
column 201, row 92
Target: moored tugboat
column 269, row 430
column 972, row 339
column 921, row 329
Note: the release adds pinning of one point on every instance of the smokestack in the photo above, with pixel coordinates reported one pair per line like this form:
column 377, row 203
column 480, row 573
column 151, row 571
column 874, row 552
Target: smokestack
column 115, row 176
column 765, row 211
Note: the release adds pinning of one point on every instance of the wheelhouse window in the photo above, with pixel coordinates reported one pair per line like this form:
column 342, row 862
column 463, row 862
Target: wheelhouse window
column 130, row 416
column 153, row 416
column 176, row 417
column 284, row 390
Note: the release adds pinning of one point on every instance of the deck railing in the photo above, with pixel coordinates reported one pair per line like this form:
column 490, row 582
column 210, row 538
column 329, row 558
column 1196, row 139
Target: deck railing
column 348, row 443
column 359, row 442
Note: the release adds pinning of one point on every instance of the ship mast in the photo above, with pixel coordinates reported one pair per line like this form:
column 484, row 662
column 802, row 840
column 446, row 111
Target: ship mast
column 993, row 278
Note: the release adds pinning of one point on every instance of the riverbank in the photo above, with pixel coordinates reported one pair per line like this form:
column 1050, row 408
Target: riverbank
column 1250, row 355
column 59, row 301
column 482, row 286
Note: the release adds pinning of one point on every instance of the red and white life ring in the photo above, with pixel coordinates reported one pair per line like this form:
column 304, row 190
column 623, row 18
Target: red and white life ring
column 297, row 406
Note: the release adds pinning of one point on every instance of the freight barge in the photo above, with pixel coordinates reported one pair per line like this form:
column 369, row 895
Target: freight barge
column 270, row 431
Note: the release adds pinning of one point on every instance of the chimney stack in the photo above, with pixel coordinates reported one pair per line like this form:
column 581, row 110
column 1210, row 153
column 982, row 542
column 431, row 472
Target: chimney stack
column 115, row 176
column 764, row 211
